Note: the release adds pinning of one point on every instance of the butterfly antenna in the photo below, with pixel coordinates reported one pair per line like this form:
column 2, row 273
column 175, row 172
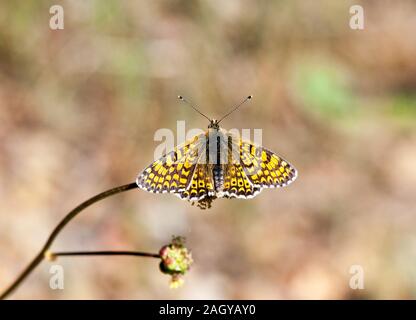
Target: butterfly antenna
column 235, row 108
column 190, row 104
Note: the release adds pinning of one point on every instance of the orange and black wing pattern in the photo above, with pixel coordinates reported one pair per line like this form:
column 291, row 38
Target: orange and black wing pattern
column 264, row 168
column 173, row 172
column 236, row 184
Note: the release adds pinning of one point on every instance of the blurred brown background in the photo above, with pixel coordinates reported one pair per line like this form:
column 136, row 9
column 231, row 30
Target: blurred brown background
column 79, row 108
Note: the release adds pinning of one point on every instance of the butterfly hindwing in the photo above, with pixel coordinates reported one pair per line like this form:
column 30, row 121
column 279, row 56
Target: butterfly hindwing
column 201, row 184
column 236, row 183
column 173, row 172
column 264, row 168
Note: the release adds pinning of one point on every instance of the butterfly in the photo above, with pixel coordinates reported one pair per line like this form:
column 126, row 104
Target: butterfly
column 216, row 164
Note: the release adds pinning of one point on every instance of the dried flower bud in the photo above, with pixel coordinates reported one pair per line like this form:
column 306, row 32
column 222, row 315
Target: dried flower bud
column 176, row 260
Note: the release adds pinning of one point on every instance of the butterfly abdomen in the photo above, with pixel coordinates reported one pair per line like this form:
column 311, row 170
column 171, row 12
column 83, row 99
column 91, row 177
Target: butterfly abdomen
column 218, row 174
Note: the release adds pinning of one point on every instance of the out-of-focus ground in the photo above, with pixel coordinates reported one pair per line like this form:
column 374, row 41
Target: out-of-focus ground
column 79, row 108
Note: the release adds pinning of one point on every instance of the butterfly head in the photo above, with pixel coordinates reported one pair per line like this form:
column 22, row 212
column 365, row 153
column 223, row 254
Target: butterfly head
column 214, row 124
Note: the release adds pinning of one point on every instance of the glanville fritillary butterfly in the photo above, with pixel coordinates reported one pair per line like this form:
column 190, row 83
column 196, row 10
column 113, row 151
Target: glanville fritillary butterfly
column 216, row 164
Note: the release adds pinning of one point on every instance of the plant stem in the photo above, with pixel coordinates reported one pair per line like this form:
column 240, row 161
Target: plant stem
column 54, row 255
column 41, row 255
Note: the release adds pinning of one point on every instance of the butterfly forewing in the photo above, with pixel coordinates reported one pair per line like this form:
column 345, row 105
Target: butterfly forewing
column 173, row 172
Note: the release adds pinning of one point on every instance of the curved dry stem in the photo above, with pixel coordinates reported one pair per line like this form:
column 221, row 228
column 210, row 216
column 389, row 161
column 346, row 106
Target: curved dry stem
column 41, row 255
column 54, row 255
